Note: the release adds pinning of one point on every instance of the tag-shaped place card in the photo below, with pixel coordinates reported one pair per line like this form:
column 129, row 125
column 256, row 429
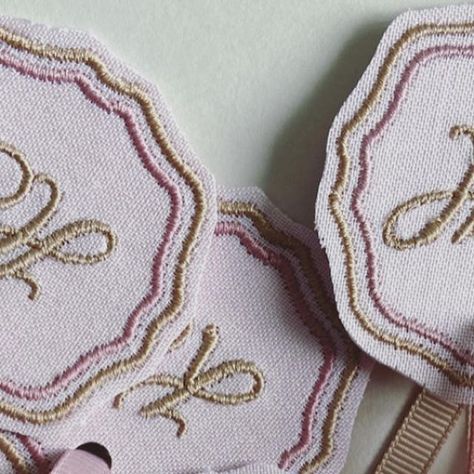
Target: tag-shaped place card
column 395, row 207
column 105, row 220
column 265, row 377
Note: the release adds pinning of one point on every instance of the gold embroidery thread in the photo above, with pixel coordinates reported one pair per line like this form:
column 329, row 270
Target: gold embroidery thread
column 303, row 254
column 435, row 227
column 82, row 56
column 195, row 382
column 13, row 456
column 340, row 184
column 13, row 239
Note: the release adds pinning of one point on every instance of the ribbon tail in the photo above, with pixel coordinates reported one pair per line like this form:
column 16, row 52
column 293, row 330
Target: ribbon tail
column 420, row 437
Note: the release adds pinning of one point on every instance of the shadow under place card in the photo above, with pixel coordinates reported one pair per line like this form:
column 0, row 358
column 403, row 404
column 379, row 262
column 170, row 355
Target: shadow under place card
column 265, row 379
column 394, row 207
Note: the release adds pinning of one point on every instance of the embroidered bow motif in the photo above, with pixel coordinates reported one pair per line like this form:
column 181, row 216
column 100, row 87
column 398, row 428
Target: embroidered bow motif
column 196, row 383
column 13, row 240
column 435, row 227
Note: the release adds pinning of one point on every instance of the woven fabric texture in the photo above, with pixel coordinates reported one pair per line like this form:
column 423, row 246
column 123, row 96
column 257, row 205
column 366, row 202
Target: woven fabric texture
column 394, row 208
column 264, row 379
column 106, row 218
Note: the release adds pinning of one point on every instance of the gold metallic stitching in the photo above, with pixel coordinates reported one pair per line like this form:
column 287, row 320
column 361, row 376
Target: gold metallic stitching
column 304, row 256
column 435, row 227
column 13, row 456
column 12, row 239
column 194, row 382
column 337, row 193
column 88, row 58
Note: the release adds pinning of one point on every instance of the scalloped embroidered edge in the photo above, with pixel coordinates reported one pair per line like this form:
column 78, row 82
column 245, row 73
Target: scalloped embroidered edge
column 200, row 184
column 268, row 222
column 264, row 231
column 416, row 25
column 23, row 454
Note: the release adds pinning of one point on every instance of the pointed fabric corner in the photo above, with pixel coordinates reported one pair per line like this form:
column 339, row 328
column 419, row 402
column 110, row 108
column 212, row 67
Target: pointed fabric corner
column 106, row 219
column 265, row 371
column 394, row 208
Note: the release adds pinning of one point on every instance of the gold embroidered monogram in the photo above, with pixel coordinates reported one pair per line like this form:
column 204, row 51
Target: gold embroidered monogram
column 195, row 383
column 435, row 227
column 14, row 241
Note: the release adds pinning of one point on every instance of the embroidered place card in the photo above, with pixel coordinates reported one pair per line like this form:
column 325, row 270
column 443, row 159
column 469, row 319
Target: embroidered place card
column 395, row 205
column 105, row 219
column 265, row 375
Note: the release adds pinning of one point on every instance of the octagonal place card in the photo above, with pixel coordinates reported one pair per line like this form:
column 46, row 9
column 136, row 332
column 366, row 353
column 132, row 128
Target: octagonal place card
column 264, row 379
column 105, row 221
column 395, row 207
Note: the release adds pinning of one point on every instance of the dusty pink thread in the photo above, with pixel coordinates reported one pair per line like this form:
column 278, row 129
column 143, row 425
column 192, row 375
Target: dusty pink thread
column 284, row 267
column 36, row 452
column 93, row 356
column 412, row 324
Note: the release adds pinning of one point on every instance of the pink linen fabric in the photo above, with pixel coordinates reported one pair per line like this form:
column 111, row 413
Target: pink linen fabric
column 394, row 206
column 265, row 379
column 105, row 221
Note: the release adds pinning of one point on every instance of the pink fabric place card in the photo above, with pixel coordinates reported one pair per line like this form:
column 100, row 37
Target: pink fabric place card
column 263, row 380
column 394, row 208
column 105, row 221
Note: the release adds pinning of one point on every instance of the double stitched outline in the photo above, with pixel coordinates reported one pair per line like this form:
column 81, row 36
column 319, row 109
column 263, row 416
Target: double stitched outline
column 23, row 453
column 303, row 254
column 289, row 243
column 147, row 107
column 337, row 193
column 13, row 455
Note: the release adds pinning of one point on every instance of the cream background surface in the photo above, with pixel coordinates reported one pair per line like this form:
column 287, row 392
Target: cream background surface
column 254, row 85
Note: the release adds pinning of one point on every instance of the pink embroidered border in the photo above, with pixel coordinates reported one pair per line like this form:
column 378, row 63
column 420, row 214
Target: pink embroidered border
column 423, row 57
column 36, row 456
column 284, row 267
column 86, row 360
column 36, row 452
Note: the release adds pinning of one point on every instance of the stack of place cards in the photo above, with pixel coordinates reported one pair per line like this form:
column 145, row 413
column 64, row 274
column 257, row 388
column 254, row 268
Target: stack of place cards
column 135, row 300
column 159, row 324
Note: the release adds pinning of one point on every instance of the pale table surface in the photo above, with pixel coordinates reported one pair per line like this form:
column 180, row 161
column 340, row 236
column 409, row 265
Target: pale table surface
column 254, row 85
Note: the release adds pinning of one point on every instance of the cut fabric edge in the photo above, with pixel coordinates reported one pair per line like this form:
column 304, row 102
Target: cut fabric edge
column 71, row 39
column 324, row 220
column 309, row 237
column 341, row 437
